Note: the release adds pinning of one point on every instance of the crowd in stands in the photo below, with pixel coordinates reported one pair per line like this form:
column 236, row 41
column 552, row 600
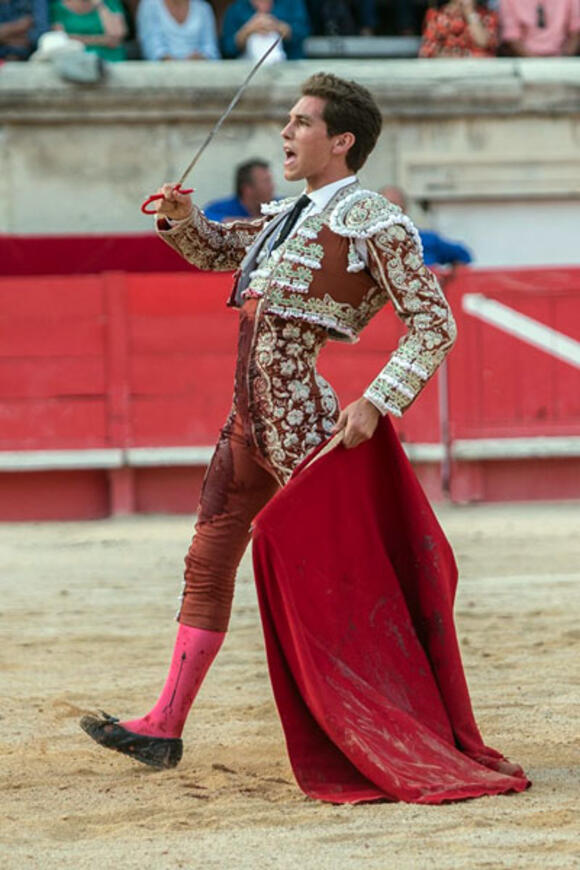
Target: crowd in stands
column 199, row 29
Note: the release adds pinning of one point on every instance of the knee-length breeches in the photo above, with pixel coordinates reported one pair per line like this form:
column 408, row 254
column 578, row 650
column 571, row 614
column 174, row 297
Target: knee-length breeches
column 282, row 409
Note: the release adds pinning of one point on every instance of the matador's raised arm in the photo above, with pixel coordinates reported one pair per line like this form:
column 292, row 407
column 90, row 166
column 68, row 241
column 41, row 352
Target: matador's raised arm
column 396, row 263
column 207, row 244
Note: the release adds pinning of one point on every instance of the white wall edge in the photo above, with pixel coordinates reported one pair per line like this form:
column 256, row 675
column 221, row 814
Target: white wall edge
column 60, row 460
column 472, row 449
column 425, row 452
column 539, row 447
column 148, row 457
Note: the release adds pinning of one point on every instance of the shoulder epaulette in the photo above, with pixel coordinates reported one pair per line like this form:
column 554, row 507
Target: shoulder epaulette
column 363, row 213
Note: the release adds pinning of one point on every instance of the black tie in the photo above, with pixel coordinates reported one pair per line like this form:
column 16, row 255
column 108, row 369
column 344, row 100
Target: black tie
column 291, row 219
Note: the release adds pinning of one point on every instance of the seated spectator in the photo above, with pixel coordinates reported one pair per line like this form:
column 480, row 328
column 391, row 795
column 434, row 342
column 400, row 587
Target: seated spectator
column 460, row 28
column 250, row 25
column 405, row 14
column 177, row 30
column 534, row 29
column 99, row 24
column 437, row 251
column 342, row 17
column 21, row 23
column 254, row 186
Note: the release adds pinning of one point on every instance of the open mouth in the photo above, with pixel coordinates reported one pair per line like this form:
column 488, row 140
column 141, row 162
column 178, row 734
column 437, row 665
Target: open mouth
column 290, row 158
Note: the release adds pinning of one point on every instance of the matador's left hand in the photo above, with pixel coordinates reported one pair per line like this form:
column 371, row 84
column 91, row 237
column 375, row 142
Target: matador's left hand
column 359, row 421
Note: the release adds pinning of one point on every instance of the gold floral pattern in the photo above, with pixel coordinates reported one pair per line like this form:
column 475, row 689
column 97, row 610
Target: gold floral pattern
column 361, row 214
column 343, row 321
column 397, row 265
column 293, row 408
column 290, row 266
column 211, row 245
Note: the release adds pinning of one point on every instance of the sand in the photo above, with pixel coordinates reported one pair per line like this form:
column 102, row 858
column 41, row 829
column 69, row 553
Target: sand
column 86, row 623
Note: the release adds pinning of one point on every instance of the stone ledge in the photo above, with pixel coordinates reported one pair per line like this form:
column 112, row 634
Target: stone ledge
column 138, row 91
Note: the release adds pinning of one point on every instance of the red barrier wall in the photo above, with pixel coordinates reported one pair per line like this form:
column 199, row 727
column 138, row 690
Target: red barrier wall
column 501, row 385
column 123, row 360
column 86, row 255
column 510, row 378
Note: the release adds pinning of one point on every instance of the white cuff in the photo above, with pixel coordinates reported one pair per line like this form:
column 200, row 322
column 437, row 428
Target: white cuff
column 381, row 404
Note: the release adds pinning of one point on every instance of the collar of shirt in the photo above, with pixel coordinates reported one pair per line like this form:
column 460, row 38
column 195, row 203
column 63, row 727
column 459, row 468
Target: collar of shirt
column 321, row 197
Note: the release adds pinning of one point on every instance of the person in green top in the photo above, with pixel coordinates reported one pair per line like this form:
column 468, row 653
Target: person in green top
column 99, row 24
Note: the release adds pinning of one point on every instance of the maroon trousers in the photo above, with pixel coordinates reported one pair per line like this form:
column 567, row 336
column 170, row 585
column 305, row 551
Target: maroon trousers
column 237, row 486
column 282, row 409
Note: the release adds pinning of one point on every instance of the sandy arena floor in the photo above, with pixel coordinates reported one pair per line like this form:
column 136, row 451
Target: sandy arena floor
column 86, row 622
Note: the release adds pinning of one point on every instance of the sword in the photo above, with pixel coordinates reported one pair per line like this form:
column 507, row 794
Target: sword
column 214, row 129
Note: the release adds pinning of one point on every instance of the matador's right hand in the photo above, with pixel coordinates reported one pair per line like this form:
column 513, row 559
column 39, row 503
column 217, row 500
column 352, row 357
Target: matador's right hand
column 172, row 204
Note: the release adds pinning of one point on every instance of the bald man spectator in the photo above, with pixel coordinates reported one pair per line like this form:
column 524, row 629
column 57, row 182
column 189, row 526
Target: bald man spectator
column 254, row 186
column 437, row 251
column 541, row 28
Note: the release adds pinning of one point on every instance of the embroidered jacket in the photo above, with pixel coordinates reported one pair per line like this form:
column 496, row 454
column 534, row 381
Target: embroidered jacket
column 319, row 275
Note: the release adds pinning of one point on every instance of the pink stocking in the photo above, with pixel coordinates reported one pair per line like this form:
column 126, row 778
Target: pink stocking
column 195, row 650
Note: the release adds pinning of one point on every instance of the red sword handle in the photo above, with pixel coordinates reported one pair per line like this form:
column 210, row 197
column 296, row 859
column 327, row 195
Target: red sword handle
column 154, row 196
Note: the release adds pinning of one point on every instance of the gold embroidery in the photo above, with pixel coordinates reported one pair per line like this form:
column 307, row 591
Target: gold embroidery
column 295, row 408
column 290, row 266
column 361, row 214
column 421, row 305
column 211, row 245
column 343, row 320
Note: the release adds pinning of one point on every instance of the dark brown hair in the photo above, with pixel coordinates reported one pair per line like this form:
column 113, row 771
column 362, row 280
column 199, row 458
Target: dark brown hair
column 348, row 108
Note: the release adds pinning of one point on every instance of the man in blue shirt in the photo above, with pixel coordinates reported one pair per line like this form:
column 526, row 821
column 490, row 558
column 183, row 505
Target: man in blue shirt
column 254, row 186
column 245, row 18
column 437, row 251
column 21, row 23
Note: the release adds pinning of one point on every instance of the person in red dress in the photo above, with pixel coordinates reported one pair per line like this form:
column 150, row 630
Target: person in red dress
column 460, row 28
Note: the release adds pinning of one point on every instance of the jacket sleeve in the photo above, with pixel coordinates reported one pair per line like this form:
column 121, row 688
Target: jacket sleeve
column 396, row 263
column 210, row 245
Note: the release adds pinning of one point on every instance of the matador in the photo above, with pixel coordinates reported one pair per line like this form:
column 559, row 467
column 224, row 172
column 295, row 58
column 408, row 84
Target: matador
column 313, row 268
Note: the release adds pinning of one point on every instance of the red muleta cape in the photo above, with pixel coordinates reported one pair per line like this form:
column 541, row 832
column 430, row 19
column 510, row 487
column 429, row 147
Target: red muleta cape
column 356, row 583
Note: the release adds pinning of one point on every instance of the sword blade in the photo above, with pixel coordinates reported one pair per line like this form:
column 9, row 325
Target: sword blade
column 228, row 111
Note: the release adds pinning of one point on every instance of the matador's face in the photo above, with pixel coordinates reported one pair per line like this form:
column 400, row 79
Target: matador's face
column 309, row 150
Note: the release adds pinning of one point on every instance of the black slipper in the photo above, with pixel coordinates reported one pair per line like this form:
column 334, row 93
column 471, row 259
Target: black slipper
column 160, row 752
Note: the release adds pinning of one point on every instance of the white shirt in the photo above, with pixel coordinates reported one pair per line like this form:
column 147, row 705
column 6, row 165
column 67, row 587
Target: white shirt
column 321, row 197
column 160, row 34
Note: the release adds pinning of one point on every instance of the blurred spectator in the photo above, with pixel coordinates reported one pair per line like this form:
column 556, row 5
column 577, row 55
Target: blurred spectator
column 254, row 185
column 21, row 23
column 177, row 30
column 460, row 28
column 401, row 17
column 250, row 25
column 437, row 251
column 342, row 17
column 404, row 17
column 533, row 29
column 99, row 24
